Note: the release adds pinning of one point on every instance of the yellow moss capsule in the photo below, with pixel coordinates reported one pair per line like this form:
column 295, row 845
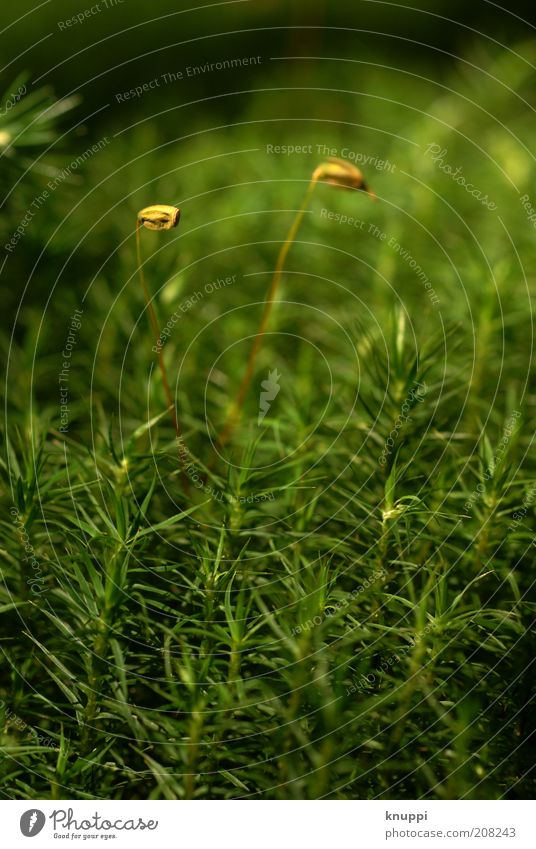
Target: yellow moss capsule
column 159, row 217
column 338, row 172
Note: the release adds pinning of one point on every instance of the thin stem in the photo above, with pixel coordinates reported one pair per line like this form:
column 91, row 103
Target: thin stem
column 156, row 332
column 236, row 411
